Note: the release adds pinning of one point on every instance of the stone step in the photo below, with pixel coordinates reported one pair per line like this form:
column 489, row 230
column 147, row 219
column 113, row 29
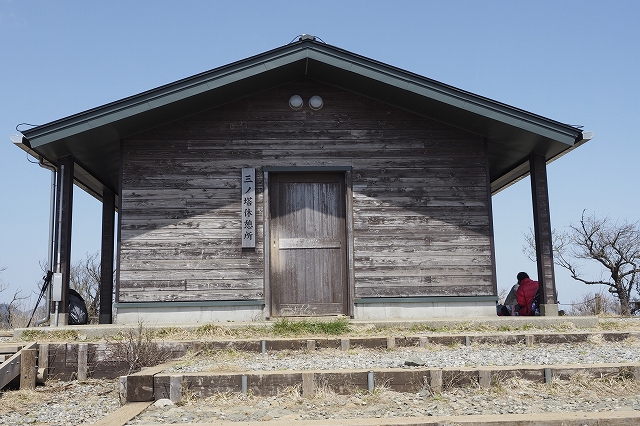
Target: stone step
column 64, row 355
column 390, row 342
column 157, row 385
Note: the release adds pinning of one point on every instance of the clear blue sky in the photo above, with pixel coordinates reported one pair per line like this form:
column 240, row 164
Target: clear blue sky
column 577, row 62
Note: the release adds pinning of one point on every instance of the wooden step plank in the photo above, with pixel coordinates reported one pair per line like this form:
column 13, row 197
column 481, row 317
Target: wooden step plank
column 123, row 414
column 269, row 383
column 10, row 368
column 611, row 418
column 10, row 349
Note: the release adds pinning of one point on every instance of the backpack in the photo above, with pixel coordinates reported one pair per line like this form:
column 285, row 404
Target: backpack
column 535, row 304
column 77, row 309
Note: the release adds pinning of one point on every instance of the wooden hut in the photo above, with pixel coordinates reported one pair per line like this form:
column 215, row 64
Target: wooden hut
column 303, row 181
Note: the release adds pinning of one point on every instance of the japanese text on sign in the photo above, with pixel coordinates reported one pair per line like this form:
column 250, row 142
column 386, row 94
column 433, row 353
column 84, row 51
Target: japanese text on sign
column 248, row 208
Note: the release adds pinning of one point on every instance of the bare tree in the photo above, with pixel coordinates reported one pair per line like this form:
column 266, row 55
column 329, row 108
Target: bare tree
column 3, row 286
column 615, row 246
column 11, row 312
column 595, row 304
column 85, row 279
column 14, row 314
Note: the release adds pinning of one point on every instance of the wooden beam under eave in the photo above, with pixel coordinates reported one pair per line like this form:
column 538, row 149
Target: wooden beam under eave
column 542, row 233
column 106, row 256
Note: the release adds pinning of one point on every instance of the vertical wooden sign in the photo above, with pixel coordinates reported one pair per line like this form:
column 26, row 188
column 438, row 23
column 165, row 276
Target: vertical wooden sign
column 248, row 208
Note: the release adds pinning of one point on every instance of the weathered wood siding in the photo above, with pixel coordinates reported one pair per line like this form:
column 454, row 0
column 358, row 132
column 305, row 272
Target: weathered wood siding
column 421, row 207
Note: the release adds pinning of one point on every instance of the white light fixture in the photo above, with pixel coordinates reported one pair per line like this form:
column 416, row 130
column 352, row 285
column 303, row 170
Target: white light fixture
column 295, row 102
column 315, row 103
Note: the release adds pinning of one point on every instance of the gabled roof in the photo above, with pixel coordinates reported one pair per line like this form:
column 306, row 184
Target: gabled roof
column 93, row 137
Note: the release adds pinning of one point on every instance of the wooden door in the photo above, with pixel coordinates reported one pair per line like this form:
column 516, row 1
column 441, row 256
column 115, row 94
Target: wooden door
column 308, row 271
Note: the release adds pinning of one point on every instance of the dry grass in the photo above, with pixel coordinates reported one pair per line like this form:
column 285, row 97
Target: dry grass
column 584, row 386
column 223, row 360
column 20, row 400
column 137, row 348
column 223, row 331
column 290, row 395
column 596, row 340
column 580, row 386
column 33, row 335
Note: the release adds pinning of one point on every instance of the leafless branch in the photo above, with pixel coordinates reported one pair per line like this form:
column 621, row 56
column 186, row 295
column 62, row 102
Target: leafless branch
column 615, row 246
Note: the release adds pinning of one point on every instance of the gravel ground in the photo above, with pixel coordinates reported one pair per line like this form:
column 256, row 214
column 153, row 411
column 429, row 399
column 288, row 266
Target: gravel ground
column 60, row 403
column 593, row 352
column 74, row 403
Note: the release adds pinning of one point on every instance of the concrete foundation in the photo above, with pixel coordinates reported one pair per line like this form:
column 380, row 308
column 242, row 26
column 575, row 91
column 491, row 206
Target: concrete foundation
column 188, row 315
column 549, row 310
column 409, row 311
column 156, row 314
column 63, row 319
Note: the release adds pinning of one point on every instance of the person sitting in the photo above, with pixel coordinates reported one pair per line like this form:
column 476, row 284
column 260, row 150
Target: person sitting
column 510, row 303
column 526, row 294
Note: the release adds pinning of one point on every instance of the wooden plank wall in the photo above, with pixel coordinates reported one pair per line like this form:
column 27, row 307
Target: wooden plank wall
column 420, row 199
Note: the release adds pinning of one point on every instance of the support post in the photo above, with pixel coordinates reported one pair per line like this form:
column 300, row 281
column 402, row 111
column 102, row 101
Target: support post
column 484, row 378
column 308, row 385
column 106, row 256
column 64, row 208
column 83, row 358
column 435, row 380
column 122, row 389
column 391, row 342
column 530, row 339
column 28, row 369
column 43, row 363
column 542, row 232
column 175, row 389
column 344, row 344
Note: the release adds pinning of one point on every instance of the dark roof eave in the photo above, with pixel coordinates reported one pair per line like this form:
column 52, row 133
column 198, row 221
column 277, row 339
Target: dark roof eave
column 93, row 136
column 311, row 51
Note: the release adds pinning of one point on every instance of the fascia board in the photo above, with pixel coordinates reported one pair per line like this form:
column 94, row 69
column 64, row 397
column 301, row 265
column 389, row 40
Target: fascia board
column 39, row 139
column 492, row 114
column 285, row 59
column 363, row 69
column 435, row 94
column 177, row 95
column 554, row 133
column 381, row 76
column 332, row 60
column 57, row 131
column 117, row 115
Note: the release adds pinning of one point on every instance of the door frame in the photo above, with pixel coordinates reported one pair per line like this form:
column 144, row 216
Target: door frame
column 348, row 182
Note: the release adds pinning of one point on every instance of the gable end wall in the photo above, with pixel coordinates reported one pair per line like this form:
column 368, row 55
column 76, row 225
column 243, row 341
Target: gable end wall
column 421, row 206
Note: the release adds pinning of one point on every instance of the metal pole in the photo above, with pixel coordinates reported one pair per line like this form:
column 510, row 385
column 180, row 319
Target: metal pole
column 50, row 252
column 59, row 241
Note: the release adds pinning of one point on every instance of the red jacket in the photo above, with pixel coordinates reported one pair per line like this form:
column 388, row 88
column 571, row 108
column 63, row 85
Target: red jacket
column 525, row 295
